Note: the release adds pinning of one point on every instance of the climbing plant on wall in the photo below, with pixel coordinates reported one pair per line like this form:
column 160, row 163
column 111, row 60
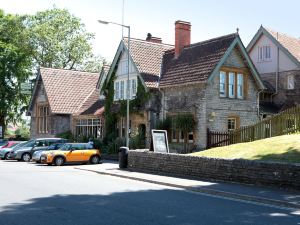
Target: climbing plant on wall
column 135, row 106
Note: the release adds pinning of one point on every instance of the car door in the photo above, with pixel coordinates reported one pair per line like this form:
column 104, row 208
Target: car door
column 74, row 154
column 85, row 153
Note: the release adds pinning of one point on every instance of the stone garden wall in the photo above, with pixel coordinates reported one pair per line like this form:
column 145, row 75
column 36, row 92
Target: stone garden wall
column 244, row 171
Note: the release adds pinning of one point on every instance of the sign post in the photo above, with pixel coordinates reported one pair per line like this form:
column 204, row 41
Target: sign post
column 159, row 141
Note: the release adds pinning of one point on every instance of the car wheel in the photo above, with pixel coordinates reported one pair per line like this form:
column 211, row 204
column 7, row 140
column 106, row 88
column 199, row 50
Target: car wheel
column 26, row 157
column 59, row 161
column 6, row 156
column 95, row 159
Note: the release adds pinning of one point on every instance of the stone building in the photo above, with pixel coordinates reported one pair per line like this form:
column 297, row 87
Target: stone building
column 65, row 100
column 277, row 59
column 214, row 81
column 144, row 72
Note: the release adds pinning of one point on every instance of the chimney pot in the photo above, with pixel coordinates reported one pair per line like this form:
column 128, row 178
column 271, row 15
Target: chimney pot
column 150, row 38
column 182, row 36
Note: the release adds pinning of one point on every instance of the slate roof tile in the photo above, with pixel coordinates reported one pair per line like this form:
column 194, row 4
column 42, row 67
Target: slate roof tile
column 195, row 63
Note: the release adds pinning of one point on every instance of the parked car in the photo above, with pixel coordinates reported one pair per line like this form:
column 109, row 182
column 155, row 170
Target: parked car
column 72, row 153
column 24, row 153
column 9, row 144
column 2, row 142
column 4, row 152
column 36, row 157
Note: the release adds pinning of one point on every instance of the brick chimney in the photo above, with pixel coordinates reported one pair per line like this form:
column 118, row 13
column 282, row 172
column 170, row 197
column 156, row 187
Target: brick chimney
column 182, row 36
column 150, row 38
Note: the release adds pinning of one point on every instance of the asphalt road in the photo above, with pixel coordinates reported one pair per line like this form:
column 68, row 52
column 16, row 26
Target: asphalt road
column 45, row 195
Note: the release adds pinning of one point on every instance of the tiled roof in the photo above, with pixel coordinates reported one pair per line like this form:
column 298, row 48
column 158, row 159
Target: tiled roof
column 147, row 57
column 67, row 90
column 290, row 43
column 195, row 63
column 91, row 104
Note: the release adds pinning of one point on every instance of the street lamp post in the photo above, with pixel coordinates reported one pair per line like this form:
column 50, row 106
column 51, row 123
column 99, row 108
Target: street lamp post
column 128, row 81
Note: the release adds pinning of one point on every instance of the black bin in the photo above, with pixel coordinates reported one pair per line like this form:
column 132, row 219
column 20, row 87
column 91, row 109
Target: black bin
column 123, row 157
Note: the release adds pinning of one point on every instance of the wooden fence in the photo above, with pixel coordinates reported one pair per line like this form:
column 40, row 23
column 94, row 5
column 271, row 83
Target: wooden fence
column 287, row 122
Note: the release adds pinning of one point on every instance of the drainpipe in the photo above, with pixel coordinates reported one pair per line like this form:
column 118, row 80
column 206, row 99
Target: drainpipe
column 258, row 102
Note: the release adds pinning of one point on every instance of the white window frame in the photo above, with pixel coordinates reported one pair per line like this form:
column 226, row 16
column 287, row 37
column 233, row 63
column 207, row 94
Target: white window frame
column 240, row 86
column 290, row 82
column 231, row 85
column 133, row 88
column 235, row 123
column 264, row 53
column 222, row 89
column 188, row 138
column 121, row 89
column 180, row 133
column 117, row 90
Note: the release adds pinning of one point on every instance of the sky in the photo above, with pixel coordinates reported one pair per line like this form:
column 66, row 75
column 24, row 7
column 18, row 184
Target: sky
column 209, row 18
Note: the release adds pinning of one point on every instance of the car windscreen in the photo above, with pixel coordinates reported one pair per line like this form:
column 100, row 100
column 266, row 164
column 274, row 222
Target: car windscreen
column 29, row 143
column 65, row 147
column 18, row 145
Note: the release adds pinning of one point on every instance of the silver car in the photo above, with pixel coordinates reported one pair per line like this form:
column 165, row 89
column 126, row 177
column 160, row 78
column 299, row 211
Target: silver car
column 4, row 152
column 25, row 152
column 36, row 157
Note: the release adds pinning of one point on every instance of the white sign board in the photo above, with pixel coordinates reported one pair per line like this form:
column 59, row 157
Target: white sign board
column 1, row 132
column 26, row 88
column 160, row 141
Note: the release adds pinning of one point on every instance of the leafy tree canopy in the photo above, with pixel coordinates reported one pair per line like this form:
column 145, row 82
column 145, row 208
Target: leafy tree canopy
column 60, row 40
column 15, row 66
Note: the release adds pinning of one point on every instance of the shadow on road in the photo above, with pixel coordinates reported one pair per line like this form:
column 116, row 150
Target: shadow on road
column 167, row 207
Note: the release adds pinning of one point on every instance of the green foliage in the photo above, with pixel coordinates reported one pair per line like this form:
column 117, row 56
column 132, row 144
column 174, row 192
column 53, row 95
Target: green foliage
column 60, row 40
column 110, row 118
column 165, row 124
column 137, row 141
column 23, row 131
column 184, row 122
column 66, row 135
column 15, row 67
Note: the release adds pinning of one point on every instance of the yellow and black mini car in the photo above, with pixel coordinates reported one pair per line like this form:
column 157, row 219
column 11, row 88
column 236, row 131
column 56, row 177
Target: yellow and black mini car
column 72, row 153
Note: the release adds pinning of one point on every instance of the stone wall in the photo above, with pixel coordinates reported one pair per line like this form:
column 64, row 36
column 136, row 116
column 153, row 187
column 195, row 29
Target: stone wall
column 243, row 171
column 188, row 99
column 284, row 95
column 222, row 108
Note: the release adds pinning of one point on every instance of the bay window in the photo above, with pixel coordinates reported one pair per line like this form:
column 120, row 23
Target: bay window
column 232, row 84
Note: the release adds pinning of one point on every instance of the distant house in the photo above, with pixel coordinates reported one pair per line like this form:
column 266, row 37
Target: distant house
column 145, row 66
column 214, row 81
column 277, row 59
column 65, row 100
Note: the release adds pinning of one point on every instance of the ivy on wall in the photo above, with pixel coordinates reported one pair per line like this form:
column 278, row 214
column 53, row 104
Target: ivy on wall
column 135, row 106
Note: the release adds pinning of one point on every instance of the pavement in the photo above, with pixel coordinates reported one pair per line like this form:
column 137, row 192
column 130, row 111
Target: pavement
column 248, row 193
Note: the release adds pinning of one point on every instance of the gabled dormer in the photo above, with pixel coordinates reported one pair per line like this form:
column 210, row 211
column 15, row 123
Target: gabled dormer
column 144, row 66
column 272, row 51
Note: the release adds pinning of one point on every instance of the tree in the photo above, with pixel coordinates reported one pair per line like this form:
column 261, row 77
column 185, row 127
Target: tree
column 59, row 39
column 15, row 67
